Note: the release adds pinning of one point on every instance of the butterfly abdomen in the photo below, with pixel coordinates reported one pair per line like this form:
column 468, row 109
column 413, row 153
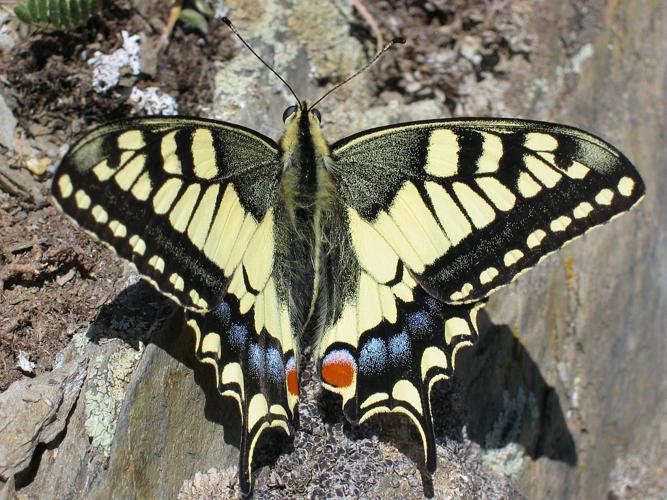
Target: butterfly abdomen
column 307, row 193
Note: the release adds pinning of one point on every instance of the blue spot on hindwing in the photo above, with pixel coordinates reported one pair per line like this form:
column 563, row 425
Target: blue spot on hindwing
column 432, row 304
column 373, row 356
column 399, row 349
column 256, row 358
column 224, row 314
column 274, row 364
column 420, row 323
column 238, row 335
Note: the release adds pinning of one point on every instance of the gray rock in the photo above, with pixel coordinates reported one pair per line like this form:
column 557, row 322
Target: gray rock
column 7, row 125
column 8, row 33
column 8, row 490
column 593, row 317
column 34, row 412
column 112, row 346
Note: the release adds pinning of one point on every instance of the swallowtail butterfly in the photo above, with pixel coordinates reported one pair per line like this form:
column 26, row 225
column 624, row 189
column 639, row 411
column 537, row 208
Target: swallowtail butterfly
column 385, row 243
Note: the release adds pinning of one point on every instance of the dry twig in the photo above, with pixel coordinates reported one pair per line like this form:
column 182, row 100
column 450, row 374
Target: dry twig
column 370, row 20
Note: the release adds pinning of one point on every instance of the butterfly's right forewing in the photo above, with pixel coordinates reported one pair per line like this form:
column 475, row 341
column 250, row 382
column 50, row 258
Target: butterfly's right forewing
column 467, row 205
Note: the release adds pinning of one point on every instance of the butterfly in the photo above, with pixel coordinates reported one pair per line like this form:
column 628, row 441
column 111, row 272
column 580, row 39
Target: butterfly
column 380, row 249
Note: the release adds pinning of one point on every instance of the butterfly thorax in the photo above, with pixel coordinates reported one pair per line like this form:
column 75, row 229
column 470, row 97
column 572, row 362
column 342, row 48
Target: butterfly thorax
column 304, row 152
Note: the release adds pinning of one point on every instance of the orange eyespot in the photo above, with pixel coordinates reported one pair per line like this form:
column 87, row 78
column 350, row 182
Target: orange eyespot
column 338, row 368
column 292, row 378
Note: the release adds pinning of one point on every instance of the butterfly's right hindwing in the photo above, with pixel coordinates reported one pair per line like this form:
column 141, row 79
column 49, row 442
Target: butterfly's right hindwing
column 182, row 199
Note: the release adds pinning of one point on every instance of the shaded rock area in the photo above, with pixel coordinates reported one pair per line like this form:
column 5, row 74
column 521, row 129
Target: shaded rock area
column 564, row 395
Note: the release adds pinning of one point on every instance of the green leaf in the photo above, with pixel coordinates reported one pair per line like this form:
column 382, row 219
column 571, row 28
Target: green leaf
column 22, row 13
column 55, row 13
column 32, row 8
column 43, row 8
column 75, row 13
column 194, row 19
column 84, row 13
column 61, row 14
column 88, row 7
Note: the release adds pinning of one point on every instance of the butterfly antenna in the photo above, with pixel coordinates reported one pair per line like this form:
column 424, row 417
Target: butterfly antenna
column 235, row 31
column 370, row 63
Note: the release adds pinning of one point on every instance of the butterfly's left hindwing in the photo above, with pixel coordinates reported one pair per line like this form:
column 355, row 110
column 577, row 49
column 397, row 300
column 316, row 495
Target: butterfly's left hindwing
column 469, row 204
column 254, row 360
column 192, row 204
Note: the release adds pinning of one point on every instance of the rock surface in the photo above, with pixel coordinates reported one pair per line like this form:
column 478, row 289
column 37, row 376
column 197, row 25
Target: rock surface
column 34, row 412
column 8, row 124
column 593, row 318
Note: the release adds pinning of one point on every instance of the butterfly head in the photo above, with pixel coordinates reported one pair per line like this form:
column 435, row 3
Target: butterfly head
column 303, row 125
column 301, row 111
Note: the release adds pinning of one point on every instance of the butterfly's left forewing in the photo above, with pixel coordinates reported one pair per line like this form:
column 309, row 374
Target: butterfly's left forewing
column 181, row 199
column 191, row 204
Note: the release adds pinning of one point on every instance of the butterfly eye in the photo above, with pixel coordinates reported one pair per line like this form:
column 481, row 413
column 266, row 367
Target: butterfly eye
column 289, row 112
column 317, row 114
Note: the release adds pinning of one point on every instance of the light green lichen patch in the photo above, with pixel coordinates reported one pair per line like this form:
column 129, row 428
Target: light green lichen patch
column 80, row 341
column 519, row 416
column 115, row 344
column 109, row 376
column 507, row 460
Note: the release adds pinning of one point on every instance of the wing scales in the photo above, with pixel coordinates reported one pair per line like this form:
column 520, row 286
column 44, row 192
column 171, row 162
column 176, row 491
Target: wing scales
column 439, row 214
column 392, row 364
column 390, row 341
column 191, row 204
column 254, row 359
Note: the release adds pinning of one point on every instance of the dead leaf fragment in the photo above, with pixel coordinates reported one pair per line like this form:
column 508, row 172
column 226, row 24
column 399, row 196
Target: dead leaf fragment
column 61, row 280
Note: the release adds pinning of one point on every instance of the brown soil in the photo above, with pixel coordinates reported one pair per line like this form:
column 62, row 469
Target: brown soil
column 55, row 279
column 448, row 43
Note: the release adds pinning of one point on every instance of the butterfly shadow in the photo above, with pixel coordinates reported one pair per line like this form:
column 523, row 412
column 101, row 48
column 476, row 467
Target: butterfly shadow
column 139, row 314
column 501, row 399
